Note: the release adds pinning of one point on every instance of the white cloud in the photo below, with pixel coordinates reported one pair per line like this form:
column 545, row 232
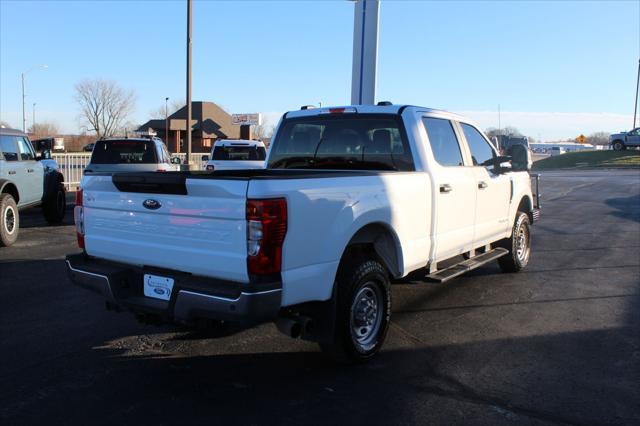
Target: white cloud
column 550, row 126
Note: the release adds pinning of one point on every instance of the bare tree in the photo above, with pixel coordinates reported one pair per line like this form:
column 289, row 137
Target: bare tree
column 262, row 131
column 44, row 128
column 159, row 112
column 5, row 124
column 598, row 138
column 104, row 105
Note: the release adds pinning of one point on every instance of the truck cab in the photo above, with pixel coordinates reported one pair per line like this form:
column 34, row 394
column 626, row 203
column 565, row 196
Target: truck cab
column 351, row 199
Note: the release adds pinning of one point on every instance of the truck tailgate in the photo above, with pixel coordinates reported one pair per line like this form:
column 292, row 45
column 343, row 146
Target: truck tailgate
column 131, row 219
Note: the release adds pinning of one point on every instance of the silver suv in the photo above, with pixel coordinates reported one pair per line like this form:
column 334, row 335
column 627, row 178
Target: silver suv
column 115, row 155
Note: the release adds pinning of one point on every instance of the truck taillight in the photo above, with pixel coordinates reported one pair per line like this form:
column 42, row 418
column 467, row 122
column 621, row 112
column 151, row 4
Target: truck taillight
column 266, row 229
column 78, row 217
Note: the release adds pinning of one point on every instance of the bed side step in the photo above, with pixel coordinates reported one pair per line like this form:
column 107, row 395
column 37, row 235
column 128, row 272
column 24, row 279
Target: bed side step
column 466, row 265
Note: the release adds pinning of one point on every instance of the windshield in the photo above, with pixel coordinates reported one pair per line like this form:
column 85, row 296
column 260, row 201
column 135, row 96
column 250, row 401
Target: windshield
column 124, row 152
column 342, row 142
column 242, row 153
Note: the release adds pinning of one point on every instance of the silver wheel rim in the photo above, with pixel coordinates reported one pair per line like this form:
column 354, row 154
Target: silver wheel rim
column 10, row 220
column 366, row 315
column 522, row 243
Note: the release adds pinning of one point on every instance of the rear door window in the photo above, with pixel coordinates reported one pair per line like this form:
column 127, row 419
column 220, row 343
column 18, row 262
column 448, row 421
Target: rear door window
column 124, row 152
column 443, row 141
column 9, row 147
column 239, row 153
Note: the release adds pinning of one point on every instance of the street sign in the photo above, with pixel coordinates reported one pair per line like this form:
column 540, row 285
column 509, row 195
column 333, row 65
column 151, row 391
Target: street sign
column 581, row 138
column 243, row 119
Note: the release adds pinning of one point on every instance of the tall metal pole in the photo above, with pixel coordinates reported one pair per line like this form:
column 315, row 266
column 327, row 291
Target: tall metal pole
column 188, row 127
column 635, row 109
column 365, row 52
column 24, row 117
column 33, row 123
column 166, row 122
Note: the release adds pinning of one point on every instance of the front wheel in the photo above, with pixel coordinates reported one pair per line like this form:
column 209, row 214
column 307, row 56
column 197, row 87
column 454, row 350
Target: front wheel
column 55, row 207
column 363, row 312
column 618, row 146
column 9, row 220
column 519, row 245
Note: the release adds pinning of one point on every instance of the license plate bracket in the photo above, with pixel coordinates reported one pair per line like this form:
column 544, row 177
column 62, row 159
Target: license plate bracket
column 158, row 287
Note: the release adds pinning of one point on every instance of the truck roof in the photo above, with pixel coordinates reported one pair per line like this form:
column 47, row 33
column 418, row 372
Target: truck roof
column 238, row 142
column 374, row 109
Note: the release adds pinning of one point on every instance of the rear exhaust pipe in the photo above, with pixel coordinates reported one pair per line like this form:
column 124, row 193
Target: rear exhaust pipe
column 289, row 326
column 298, row 326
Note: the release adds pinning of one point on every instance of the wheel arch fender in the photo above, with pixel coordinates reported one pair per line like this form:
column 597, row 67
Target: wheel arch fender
column 51, row 181
column 383, row 240
column 8, row 187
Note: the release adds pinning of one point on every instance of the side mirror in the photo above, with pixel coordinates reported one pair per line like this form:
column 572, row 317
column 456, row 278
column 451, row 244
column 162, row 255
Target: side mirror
column 205, row 158
column 521, row 158
column 175, row 160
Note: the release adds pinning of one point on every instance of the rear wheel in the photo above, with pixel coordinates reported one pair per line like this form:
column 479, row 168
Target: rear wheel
column 9, row 220
column 618, row 146
column 55, row 207
column 519, row 245
column 363, row 312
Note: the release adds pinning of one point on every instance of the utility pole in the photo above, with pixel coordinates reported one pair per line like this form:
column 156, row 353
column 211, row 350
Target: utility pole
column 188, row 126
column 24, row 113
column 33, row 123
column 635, row 109
column 166, row 121
column 365, row 52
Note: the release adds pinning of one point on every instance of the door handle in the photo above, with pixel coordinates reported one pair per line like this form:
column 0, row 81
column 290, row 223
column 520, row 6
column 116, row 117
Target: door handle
column 482, row 185
column 29, row 170
column 445, row 188
column 12, row 172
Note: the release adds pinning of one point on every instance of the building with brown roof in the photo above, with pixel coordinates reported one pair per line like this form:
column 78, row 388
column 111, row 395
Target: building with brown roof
column 209, row 123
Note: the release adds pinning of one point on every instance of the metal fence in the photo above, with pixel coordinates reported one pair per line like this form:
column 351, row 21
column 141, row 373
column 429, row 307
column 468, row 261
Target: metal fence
column 72, row 165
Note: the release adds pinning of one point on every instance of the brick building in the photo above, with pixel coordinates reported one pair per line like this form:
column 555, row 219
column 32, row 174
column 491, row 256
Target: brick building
column 209, row 123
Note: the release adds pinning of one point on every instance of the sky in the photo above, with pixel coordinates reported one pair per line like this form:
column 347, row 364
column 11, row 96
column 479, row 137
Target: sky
column 557, row 69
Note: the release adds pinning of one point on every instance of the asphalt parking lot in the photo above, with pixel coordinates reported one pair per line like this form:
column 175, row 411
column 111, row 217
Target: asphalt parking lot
column 558, row 343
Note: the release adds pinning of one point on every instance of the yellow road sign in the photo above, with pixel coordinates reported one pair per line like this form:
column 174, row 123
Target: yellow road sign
column 581, row 138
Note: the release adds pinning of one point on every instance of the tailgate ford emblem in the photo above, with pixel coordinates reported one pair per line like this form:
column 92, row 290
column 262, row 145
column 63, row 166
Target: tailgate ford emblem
column 151, row 204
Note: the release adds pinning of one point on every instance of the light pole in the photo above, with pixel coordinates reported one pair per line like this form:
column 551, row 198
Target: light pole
column 24, row 116
column 33, row 122
column 166, row 121
column 188, row 121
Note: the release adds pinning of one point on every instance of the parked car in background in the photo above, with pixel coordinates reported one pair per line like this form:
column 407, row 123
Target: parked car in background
column 236, row 155
column 131, row 155
column 352, row 198
column 26, row 182
column 89, row 147
column 49, row 144
column 624, row 140
column 557, row 150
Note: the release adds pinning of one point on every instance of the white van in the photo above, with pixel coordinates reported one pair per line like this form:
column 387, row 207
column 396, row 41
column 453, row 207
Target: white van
column 228, row 154
column 557, row 150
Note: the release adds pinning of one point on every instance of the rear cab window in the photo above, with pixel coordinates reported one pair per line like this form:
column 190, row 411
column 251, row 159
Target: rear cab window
column 349, row 141
column 124, row 152
column 238, row 153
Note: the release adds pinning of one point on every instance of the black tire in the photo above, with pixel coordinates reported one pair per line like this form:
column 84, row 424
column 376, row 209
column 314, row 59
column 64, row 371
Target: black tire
column 618, row 146
column 9, row 220
column 360, row 327
column 519, row 245
column 55, row 206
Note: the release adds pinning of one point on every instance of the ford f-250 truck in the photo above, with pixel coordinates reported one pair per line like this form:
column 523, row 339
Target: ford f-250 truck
column 351, row 199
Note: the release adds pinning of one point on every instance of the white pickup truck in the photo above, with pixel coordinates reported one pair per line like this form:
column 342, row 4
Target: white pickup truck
column 352, row 198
